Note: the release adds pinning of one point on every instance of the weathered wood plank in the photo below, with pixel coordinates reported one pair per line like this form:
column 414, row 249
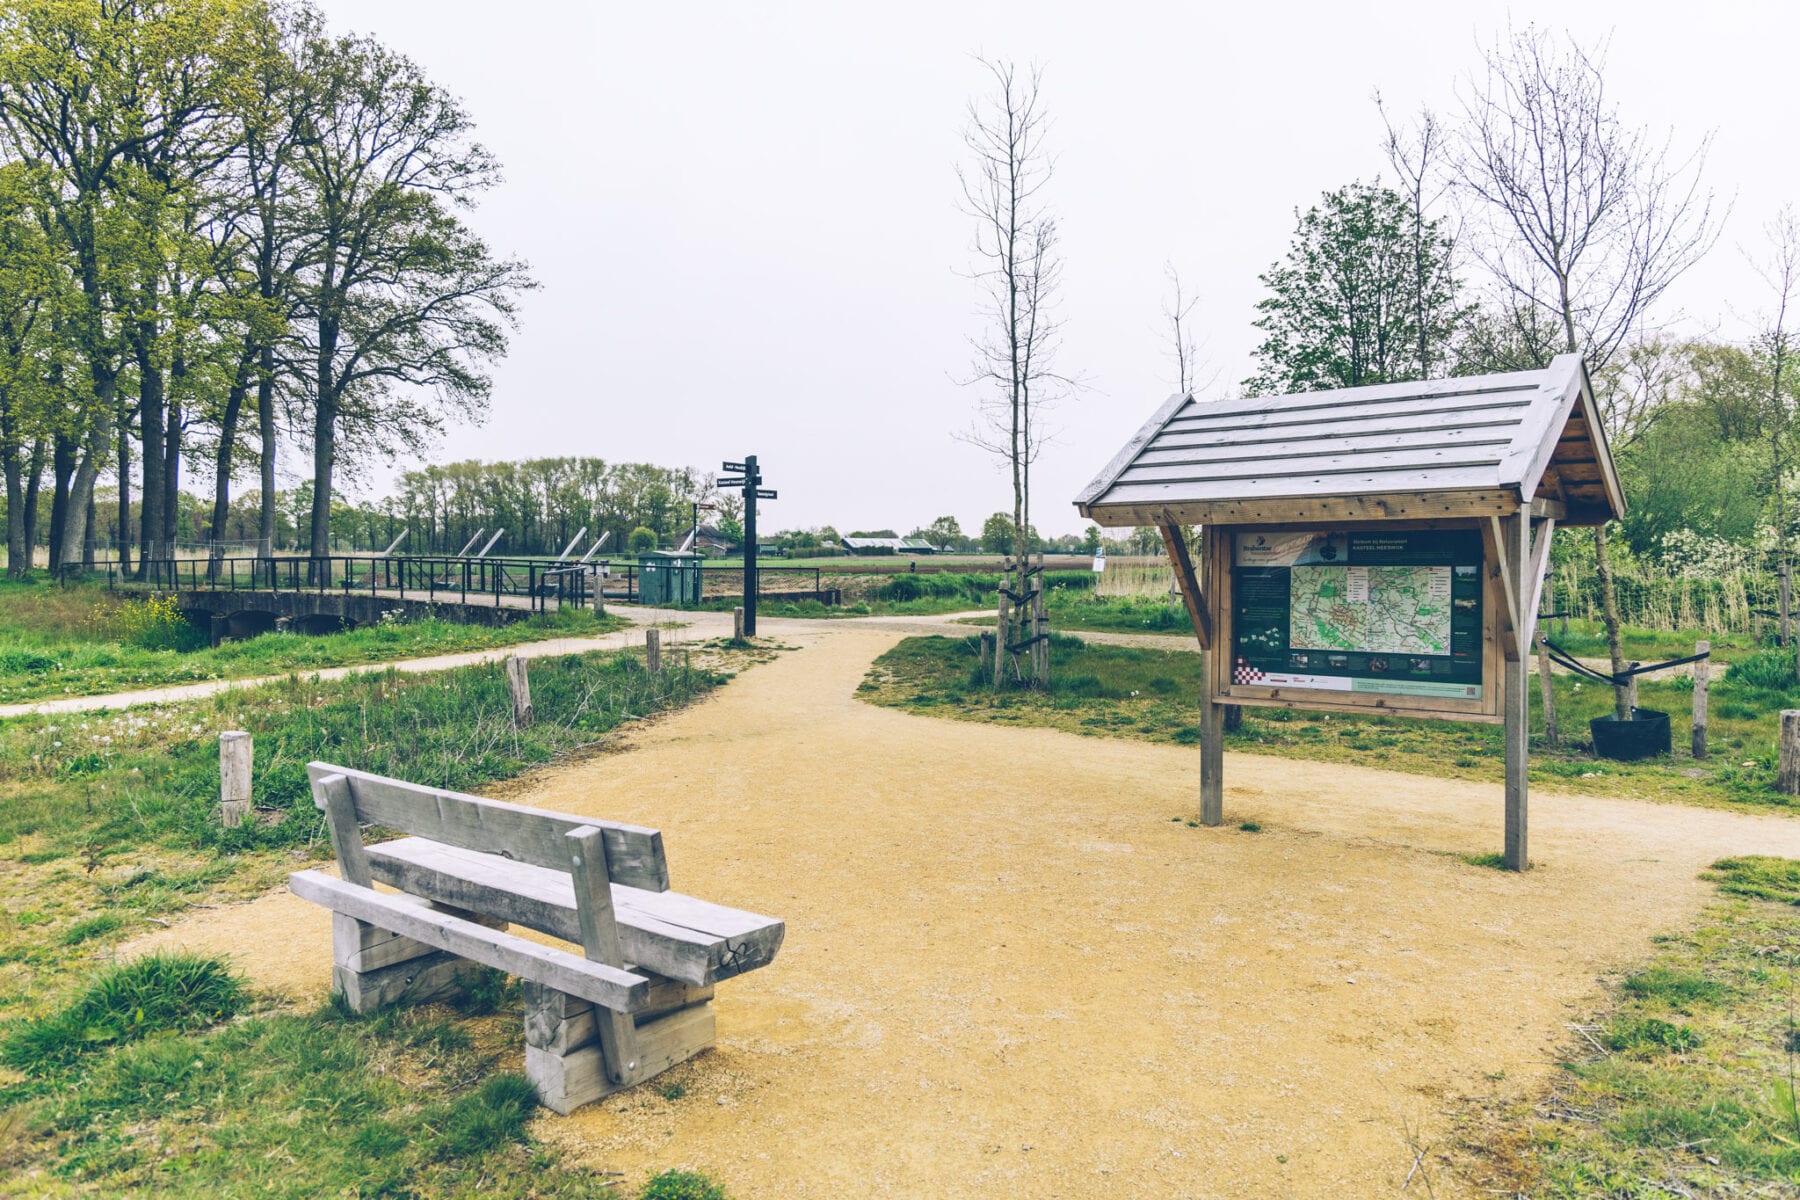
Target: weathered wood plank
column 1304, row 511
column 410, row 917
column 1256, row 448
column 600, row 941
column 1288, row 415
column 565, row 1082
column 1348, row 481
column 1299, row 463
column 236, row 756
column 428, row 979
column 666, row 933
column 331, row 792
column 1473, row 388
column 634, row 853
column 559, row 1023
column 1191, row 595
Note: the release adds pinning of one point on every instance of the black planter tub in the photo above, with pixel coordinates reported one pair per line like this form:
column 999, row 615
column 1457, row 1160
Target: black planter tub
column 1644, row 736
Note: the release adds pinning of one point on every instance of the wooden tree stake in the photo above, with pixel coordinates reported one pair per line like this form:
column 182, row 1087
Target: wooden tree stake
column 1701, row 673
column 519, row 682
column 653, row 648
column 1787, row 772
column 235, row 759
column 1546, row 689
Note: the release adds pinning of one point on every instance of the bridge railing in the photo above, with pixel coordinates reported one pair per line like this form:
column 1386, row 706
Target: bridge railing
column 500, row 582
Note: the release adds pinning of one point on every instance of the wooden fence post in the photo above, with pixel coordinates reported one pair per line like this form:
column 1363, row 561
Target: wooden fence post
column 519, row 682
column 653, row 650
column 737, row 624
column 1701, row 672
column 986, row 641
column 1546, row 689
column 235, row 759
column 1787, row 772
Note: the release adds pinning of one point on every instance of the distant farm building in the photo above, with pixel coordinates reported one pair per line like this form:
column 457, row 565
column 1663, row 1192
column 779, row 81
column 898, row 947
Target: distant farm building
column 871, row 546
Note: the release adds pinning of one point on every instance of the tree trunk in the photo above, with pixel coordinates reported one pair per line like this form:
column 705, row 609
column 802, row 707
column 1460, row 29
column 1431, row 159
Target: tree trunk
column 62, row 472
column 34, row 474
column 93, row 530
column 18, row 556
column 221, row 511
column 150, row 436
column 124, row 440
column 324, row 458
column 171, row 477
column 265, row 424
column 1609, row 614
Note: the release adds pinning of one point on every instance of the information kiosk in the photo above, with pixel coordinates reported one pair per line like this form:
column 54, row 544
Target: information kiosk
column 1370, row 549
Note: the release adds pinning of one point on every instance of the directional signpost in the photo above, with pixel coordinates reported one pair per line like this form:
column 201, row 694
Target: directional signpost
column 750, row 480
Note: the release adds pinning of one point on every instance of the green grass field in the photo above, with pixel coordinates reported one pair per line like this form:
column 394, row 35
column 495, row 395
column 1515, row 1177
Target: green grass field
column 167, row 1076
column 85, row 640
column 1685, row 1085
column 1148, row 694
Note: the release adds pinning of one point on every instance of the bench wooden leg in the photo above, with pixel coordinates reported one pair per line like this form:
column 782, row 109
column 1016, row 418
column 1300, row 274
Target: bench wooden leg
column 373, row 968
column 566, row 1058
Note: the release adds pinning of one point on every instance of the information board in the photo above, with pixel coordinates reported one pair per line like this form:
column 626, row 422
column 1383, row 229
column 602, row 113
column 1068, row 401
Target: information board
column 1395, row 612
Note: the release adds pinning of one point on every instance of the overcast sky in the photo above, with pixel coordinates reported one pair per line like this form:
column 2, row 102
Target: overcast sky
column 744, row 215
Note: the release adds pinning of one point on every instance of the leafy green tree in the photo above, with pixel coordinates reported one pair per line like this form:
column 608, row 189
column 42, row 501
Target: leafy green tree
column 997, row 534
column 642, row 540
column 397, row 298
column 946, row 532
column 1090, row 540
column 1345, row 304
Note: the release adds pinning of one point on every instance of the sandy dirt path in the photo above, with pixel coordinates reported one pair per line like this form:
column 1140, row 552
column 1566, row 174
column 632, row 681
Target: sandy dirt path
column 1009, row 973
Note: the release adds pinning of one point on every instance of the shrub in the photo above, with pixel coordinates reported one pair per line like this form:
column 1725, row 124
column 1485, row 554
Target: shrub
column 641, row 541
column 1771, row 670
column 147, row 995
column 682, row 1185
column 155, row 623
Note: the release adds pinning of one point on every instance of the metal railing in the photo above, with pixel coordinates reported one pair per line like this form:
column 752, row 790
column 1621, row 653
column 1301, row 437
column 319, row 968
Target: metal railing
column 432, row 579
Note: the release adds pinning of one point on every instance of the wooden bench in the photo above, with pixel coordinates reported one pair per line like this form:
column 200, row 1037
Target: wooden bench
column 636, row 1001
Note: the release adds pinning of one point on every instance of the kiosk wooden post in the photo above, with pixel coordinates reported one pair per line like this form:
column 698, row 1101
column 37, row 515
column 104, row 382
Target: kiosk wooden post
column 1420, row 516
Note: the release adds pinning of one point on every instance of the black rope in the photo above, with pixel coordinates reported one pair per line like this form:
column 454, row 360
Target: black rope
column 1564, row 659
column 1015, row 647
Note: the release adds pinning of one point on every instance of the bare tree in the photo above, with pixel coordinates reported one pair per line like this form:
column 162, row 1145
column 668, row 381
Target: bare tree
column 1587, row 221
column 1419, row 156
column 1183, row 348
column 1018, row 271
column 1774, row 339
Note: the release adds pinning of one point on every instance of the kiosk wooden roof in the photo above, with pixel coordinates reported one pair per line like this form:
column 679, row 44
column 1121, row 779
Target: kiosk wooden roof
column 1480, row 446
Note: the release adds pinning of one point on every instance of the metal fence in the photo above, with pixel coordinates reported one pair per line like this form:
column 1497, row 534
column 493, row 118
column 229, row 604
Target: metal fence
column 461, row 580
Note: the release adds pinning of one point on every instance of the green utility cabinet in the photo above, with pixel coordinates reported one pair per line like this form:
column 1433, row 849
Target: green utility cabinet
column 669, row 579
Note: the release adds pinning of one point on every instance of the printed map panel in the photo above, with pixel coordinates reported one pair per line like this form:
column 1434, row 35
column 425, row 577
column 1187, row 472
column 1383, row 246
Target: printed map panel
column 1375, row 610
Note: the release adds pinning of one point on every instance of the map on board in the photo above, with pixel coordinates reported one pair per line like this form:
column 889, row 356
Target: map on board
column 1371, row 610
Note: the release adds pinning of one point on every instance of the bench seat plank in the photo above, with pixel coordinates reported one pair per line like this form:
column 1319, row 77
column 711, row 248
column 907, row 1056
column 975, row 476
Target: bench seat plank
column 677, row 936
column 410, row 916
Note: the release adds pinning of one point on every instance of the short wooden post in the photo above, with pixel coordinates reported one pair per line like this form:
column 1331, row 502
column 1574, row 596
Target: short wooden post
column 219, row 628
column 235, row 759
column 1001, row 629
column 1787, row 771
column 986, row 641
column 519, row 682
column 653, row 650
column 1546, row 688
column 737, row 624
column 1701, row 673
column 1631, row 691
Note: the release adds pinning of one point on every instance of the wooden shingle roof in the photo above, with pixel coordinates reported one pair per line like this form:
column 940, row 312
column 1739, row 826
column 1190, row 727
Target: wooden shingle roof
column 1477, row 446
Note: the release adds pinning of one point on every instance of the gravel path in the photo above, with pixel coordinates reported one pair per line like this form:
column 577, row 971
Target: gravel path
column 1009, row 973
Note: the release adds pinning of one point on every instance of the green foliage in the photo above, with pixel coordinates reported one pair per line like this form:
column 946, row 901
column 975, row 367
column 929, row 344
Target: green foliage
column 155, row 623
column 682, row 1185
column 1680, row 475
column 642, row 540
column 997, row 534
column 1675, row 988
column 1493, row 860
column 156, row 993
column 1640, row 1034
column 1758, row 877
column 1768, row 670
column 1345, row 304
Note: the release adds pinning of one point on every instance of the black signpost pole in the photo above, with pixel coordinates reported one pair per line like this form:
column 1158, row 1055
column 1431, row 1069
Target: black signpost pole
column 751, row 482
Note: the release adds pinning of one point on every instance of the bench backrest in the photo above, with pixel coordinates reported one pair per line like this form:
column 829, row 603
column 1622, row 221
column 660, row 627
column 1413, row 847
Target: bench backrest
column 634, row 854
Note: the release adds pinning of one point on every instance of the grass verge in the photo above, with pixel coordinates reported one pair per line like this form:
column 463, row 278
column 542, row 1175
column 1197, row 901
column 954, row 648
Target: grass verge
column 1149, row 694
column 87, row 641
column 1686, row 1086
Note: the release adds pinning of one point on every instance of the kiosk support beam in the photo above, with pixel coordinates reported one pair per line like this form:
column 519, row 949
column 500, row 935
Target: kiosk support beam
column 1212, row 714
column 1513, row 538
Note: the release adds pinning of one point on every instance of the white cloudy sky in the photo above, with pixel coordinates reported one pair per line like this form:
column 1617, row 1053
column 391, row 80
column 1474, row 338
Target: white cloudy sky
column 744, row 215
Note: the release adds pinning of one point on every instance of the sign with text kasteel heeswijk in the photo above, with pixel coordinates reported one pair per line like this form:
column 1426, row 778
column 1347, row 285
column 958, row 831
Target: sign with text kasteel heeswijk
column 1386, row 612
